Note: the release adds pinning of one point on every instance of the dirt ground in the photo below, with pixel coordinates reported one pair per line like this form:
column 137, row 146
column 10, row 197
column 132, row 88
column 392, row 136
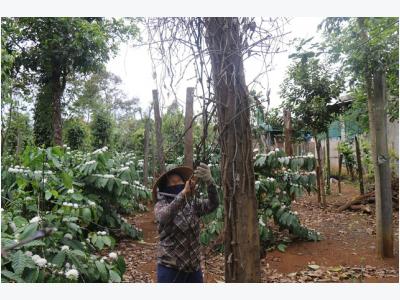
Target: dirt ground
column 345, row 254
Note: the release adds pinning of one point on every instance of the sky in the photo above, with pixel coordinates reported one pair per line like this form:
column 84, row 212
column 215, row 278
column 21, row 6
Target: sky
column 134, row 67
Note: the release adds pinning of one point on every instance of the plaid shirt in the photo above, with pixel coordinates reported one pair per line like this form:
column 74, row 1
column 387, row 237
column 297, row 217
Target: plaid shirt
column 179, row 228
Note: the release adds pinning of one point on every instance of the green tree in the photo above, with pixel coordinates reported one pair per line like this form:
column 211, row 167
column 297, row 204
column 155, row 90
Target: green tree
column 101, row 129
column 369, row 50
column 309, row 88
column 77, row 134
column 57, row 49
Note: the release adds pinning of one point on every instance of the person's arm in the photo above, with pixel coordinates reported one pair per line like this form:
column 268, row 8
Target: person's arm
column 206, row 206
column 165, row 212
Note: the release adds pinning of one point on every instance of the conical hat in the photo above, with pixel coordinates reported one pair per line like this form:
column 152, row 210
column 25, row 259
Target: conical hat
column 185, row 172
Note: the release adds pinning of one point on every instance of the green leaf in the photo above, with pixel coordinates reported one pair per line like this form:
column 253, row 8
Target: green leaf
column 121, row 264
column 99, row 243
column 20, row 221
column 59, row 259
column 67, row 180
column 281, row 247
column 28, row 231
column 114, row 276
column 77, row 197
column 32, row 275
column 107, row 240
column 86, row 215
column 102, row 270
column 19, row 262
column 47, row 195
column 12, row 276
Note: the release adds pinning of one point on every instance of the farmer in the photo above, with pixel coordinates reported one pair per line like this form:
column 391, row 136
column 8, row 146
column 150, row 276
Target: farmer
column 177, row 213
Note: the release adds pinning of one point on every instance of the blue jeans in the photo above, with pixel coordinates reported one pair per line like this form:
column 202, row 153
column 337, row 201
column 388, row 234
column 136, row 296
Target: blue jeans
column 168, row 275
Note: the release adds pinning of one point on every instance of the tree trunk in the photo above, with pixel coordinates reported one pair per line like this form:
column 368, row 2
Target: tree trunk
column 379, row 145
column 159, row 139
column 188, row 141
column 359, row 166
column 6, row 130
column 321, row 171
column 242, row 244
column 146, row 150
column 340, row 173
column 58, row 82
column 328, row 164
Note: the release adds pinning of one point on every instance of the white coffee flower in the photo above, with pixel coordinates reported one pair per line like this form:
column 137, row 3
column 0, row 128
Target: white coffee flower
column 113, row 255
column 35, row 219
column 76, row 205
column 28, row 253
column 67, row 265
column 91, row 203
column 68, row 236
column 296, row 213
column 124, row 182
column 41, row 262
column 65, row 248
column 124, row 169
column 72, row 274
column 70, row 191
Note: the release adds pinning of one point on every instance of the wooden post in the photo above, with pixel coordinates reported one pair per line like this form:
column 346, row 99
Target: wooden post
column 287, row 132
column 321, row 172
column 340, row 172
column 328, row 164
column 188, row 141
column 159, row 139
column 288, row 137
column 359, row 166
column 146, row 150
column 377, row 103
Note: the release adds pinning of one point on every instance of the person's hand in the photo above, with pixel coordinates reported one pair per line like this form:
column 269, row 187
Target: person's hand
column 203, row 172
column 189, row 187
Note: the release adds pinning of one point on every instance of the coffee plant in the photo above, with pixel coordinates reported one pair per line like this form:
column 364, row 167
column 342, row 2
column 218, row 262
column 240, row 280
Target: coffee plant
column 279, row 179
column 78, row 198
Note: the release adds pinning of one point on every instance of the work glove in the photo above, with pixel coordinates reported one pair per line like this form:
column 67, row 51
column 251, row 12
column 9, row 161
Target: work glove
column 203, row 172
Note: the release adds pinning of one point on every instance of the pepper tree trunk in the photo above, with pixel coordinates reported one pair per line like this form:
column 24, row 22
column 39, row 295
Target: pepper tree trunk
column 359, row 166
column 58, row 81
column 320, row 173
column 328, row 164
column 159, row 139
column 242, row 245
column 188, row 141
column 383, row 191
column 146, row 150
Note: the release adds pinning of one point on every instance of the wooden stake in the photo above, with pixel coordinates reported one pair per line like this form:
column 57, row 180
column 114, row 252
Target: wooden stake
column 340, row 173
column 188, row 140
column 359, row 166
column 159, row 139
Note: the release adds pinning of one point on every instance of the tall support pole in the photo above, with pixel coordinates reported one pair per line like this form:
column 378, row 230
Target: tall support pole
column 188, row 140
column 159, row 139
column 383, row 192
column 359, row 166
